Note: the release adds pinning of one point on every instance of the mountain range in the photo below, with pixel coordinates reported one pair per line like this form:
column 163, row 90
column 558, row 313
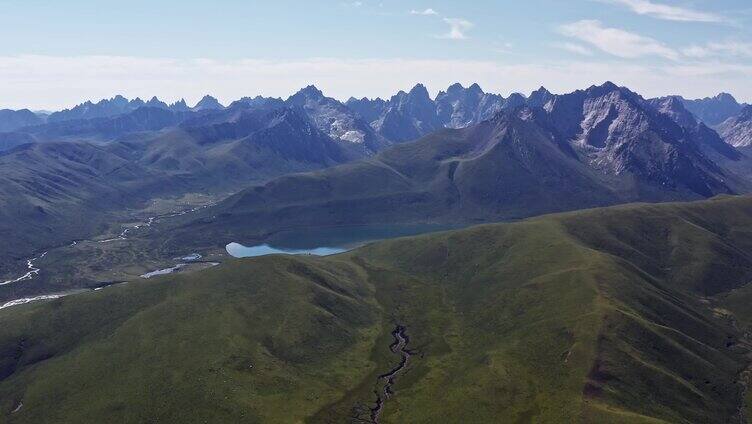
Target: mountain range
column 593, row 147
column 312, row 160
column 119, row 105
column 405, row 116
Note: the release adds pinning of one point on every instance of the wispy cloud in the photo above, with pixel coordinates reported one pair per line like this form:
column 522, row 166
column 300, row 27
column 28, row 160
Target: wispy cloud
column 725, row 48
column 457, row 28
column 616, row 41
column 425, row 12
column 668, row 12
column 574, row 48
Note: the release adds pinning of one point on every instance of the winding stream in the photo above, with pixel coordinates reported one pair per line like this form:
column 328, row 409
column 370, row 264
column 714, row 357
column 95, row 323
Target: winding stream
column 26, row 300
column 399, row 346
column 32, row 271
column 124, row 234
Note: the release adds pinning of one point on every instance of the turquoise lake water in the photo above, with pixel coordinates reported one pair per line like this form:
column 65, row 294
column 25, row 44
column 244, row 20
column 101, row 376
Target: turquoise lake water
column 239, row 251
column 323, row 241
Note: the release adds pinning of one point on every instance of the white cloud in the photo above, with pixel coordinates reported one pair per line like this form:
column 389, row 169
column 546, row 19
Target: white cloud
column 49, row 82
column 457, row 28
column 574, row 48
column 616, row 41
column 426, row 12
column 667, row 12
column 725, row 48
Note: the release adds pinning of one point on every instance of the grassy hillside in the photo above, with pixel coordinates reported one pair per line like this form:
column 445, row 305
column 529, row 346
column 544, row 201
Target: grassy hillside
column 51, row 193
column 632, row 314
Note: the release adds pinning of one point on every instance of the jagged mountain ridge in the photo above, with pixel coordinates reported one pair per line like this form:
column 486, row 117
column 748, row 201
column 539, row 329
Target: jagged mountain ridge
column 714, row 110
column 405, row 116
column 410, row 115
column 119, row 105
column 336, row 119
column 620, row 132
column 593, row 147
column 709, row 141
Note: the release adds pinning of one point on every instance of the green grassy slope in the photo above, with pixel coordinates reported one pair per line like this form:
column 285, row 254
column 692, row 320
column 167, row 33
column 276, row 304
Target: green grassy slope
column 606, row 315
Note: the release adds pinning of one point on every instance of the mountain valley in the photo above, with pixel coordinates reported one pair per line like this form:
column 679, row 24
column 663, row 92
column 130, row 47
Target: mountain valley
column 545, row 303
column 495, row 159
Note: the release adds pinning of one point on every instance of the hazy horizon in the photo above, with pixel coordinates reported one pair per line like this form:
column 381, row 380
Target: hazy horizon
column 433, row 92
column 369, row 48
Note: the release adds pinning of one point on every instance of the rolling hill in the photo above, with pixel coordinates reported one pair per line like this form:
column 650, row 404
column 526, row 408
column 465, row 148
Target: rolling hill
column 630, row 314
column 52, row 193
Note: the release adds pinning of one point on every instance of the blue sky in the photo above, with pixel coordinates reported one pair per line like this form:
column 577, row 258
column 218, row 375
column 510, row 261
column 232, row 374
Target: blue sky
column 56, row 56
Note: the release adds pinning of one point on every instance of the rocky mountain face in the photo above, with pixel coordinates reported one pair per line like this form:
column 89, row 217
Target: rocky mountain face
column 336, row 119
column 714, row 110
column 180, row 106
column 257, row 102
column 598, row 146
column 367, row 109
column 707, row 139
column 408, row 116
column 459, row 107
column 737, row 130
column 617, row 131
column 208, row 103
column 538, row 98
column 411, row 115
column 674, row 108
